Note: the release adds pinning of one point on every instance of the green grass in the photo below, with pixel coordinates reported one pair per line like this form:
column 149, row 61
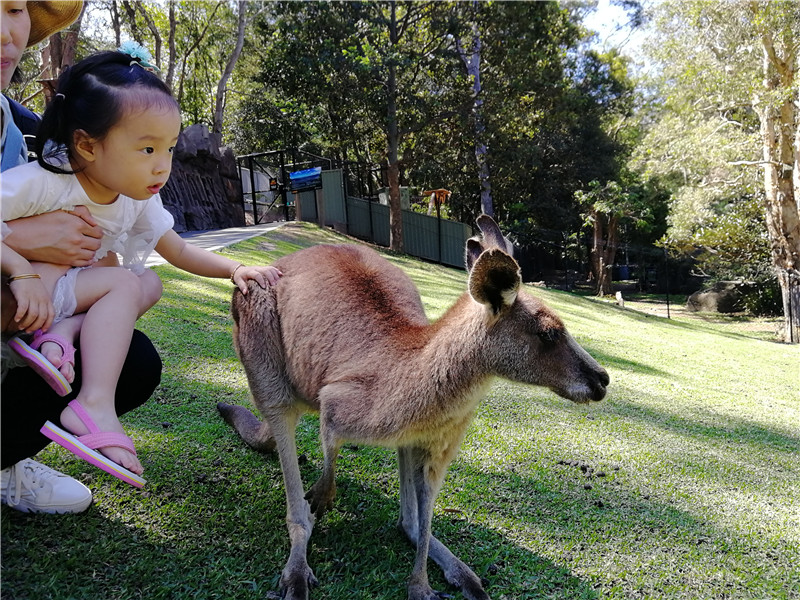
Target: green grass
column 683, row 483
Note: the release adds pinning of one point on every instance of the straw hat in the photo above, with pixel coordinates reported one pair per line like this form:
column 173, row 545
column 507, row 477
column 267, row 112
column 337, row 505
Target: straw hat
column 49, row 17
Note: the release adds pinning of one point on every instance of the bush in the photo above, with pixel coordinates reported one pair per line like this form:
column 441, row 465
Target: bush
column 763, row 298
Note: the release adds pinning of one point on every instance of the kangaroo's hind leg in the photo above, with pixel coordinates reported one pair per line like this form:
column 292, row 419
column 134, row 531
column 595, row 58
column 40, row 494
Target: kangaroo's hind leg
column 456, row 572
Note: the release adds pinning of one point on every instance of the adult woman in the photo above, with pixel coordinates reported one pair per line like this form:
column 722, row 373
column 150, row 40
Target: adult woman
column 27, row 401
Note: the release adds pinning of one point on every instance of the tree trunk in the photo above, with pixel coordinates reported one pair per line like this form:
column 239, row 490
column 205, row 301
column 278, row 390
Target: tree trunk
column 393, row 145
column 153, row 30
column 472, row 61
column 130, row 10
column 58, row 55
column 116, row 23
column 219, row 108
column 604, row 251
column 171, row 44
column 779, row 135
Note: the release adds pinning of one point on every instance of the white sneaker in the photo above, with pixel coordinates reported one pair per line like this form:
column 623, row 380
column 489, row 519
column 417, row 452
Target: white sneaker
column 29, row 486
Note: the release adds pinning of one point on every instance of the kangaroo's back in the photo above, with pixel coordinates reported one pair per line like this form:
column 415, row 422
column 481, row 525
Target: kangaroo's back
column 333, row 306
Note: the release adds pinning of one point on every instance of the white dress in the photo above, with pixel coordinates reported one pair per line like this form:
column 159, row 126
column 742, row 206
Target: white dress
column 131, row 228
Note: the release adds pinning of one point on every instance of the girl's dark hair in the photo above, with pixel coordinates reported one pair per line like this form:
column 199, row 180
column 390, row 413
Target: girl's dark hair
column 92, row 95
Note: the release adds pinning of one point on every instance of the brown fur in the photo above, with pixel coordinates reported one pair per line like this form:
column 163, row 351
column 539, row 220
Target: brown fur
column 344, row 333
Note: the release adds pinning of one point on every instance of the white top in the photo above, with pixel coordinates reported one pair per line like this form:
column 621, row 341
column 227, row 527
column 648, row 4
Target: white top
column 131, row 227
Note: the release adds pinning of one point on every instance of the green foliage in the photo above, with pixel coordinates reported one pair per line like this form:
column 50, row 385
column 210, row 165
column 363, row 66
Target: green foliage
column 705, row 142
column 321, row 84
column 681, row 484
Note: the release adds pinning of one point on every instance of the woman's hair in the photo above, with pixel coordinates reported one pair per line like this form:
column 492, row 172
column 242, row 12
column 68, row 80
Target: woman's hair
column 93, row 95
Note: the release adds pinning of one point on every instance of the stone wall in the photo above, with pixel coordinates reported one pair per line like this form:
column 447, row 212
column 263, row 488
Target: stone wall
column 203, row 191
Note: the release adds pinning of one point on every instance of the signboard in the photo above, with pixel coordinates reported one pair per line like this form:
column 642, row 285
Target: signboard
column 307, row 179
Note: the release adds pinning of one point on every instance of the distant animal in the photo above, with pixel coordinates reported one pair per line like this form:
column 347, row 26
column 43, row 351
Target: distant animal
column 344, row 334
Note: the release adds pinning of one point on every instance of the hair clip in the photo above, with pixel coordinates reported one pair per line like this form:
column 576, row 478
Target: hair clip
column 139, row 53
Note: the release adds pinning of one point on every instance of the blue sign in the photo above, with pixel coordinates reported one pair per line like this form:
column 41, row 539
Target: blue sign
column 307, row 179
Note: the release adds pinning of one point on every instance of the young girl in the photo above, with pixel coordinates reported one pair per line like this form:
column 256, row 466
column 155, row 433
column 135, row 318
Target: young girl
column 105, row 142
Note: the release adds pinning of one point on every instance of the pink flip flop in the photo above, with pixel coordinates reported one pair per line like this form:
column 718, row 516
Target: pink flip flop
column 36, row 360
column 85, row 446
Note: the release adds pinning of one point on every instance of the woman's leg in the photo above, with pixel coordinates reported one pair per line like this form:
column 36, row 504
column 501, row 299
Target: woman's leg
column 26, row 401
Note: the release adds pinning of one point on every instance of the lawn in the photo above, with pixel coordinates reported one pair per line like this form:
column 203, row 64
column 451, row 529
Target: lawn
column 683, row 483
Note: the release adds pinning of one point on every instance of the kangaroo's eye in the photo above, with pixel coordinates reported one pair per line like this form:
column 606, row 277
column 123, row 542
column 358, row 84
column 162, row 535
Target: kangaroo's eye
column 548, row 337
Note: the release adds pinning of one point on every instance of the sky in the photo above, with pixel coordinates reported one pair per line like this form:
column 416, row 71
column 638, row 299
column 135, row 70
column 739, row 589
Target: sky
column 610, row 22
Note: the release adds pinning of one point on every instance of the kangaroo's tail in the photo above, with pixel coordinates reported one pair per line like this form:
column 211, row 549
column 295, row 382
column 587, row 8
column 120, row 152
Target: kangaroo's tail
column 254, row 432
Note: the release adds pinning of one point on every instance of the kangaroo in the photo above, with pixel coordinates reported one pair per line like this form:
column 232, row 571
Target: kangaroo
column 344, row 333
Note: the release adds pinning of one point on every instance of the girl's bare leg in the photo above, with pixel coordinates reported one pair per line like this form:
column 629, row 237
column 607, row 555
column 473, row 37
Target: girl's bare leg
column 68, row 329
column 152, row 288
column 71, row 327
column 111, row 297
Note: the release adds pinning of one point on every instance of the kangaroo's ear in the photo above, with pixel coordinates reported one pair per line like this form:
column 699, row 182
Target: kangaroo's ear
column 494, row 280
column 473, row 251
column 492, row 236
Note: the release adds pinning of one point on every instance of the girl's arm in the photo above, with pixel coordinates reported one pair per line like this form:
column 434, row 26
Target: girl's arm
column 34, row 306
column 176, row 251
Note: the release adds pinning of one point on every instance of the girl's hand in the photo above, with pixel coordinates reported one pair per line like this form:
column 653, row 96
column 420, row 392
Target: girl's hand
column 262, row 275
column 34, row 308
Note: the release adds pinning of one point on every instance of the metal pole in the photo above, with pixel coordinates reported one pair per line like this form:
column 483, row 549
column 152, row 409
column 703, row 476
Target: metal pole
column 438, row 226
column 239, row 168
column 253, row 191
column 666, row 270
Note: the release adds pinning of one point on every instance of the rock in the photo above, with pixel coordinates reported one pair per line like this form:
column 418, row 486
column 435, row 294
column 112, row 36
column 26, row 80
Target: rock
column 722, row 297
column 203, row 191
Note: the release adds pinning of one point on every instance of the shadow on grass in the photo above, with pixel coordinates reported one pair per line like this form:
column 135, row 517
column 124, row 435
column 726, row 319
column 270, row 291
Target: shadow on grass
column 703, row 424
column 211, row 525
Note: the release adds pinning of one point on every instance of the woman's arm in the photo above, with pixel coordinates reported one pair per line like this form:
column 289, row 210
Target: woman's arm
column 34, row 309
column 174, row 249
column 59, row 237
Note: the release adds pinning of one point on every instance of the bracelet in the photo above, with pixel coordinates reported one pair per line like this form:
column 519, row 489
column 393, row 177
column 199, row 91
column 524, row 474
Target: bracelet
column 236, row 268
column 24, row 276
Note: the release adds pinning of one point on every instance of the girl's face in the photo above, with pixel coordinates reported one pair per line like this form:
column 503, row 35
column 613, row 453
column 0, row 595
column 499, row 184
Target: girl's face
column 135, row 157
column 16, row 27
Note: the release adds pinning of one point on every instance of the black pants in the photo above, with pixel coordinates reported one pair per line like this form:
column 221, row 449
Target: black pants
column 27, row 401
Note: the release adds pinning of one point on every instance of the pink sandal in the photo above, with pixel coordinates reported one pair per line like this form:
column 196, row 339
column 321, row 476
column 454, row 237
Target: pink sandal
column 36, row 360
column 84, row 446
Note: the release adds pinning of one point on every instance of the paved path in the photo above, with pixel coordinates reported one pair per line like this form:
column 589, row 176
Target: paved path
column 217, row 238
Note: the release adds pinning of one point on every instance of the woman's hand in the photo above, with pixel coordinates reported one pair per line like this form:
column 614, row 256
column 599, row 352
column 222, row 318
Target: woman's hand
column 34, row 308
column 60, row 237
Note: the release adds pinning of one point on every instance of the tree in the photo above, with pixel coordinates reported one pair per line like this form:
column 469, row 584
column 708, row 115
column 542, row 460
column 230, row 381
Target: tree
column 389, row 66
column 471, row 55
column 607, row 207
column 735, row 64
column 59, row 54
column 219, row 106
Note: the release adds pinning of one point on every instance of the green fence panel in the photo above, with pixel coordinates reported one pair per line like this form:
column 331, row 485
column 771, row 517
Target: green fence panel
column 368, row 221
column 307, row 201
column 454, row 239
column 421, row 235
column 333, row 197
